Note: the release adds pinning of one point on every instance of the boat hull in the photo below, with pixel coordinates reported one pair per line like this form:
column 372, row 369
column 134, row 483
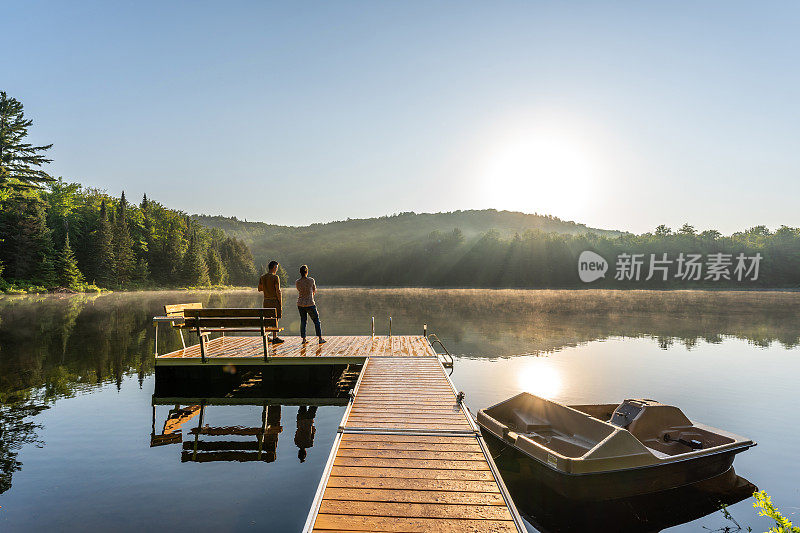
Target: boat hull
column 518, row 466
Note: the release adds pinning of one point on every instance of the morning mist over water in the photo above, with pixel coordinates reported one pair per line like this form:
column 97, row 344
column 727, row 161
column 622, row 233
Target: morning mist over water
column 69, row 362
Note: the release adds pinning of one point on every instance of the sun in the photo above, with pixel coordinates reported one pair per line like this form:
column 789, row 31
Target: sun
column 546, row 171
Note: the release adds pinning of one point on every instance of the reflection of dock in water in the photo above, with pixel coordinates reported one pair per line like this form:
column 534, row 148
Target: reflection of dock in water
column 171, row 433
column 239, row 443
column 238, row 448
column 263, row 448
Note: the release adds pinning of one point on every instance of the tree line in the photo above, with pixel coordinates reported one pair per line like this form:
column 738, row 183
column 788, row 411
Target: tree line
column 533, row 258
column 59, row 234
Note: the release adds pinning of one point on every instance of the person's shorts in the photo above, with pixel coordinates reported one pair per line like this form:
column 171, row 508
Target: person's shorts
column 274, row 304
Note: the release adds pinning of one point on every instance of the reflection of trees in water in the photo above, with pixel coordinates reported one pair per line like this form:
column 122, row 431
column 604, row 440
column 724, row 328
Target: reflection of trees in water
column 509, row 322
column 62, row 344
column 16, row 430
column 51, row 346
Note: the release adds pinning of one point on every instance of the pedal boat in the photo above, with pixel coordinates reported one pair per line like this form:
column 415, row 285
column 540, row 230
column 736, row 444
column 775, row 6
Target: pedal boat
column 608, row 451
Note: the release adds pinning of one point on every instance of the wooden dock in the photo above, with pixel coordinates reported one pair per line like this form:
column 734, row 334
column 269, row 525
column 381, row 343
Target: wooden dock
column 352, row 349
column 409, row 457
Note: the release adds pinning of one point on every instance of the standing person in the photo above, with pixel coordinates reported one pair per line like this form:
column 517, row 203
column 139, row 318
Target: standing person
column 270, row 285
column 306, row 289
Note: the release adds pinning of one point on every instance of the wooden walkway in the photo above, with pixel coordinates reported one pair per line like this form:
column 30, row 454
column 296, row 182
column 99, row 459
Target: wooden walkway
column 352, row 349
column 408, row 457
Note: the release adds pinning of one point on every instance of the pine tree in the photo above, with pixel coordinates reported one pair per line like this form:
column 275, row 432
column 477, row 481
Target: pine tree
column 148, row 254
column 142, row 271
column 238, row 261
column 172, row 256
column 19, row 161
column 195, row 271
column 27, row 248
column 67, row 267
column 102, row 269
column 124, row 259
column 217, row 272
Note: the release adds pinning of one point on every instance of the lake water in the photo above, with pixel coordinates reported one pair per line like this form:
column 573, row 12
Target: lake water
column 77, row 393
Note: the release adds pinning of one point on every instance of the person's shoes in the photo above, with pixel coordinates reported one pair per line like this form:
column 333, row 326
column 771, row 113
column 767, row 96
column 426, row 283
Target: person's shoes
column 277, row 340
column 304, row 340
column 322, row 341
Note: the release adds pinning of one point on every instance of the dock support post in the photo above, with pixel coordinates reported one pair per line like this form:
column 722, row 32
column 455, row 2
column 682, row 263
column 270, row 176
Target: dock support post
column 390, row 326
column 373, row 326
column 425, row 330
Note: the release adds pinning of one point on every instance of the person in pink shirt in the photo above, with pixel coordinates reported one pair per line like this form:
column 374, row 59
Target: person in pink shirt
column 306, row 289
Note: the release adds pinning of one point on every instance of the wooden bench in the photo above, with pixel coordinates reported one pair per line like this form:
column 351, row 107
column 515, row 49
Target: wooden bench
column 173, row 315
column 176, row 313
column 230, row 319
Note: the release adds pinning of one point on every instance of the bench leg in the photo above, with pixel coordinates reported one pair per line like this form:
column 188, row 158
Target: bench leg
column 266, row 347
column 202, row 346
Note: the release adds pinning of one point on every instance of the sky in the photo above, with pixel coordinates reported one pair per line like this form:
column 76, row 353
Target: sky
column 619, row 115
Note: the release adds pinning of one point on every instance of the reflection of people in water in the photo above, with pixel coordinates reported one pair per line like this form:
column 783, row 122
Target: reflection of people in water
column 304, row 436
column 271, row 418
column 274, row 415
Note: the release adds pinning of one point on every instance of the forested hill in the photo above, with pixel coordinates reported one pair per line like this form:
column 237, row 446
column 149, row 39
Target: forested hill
column 385, row 250
column 502, row 249
column 409, row 226
column 388, row 232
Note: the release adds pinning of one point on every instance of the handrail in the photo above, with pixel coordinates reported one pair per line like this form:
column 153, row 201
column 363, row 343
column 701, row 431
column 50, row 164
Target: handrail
column 433, row 338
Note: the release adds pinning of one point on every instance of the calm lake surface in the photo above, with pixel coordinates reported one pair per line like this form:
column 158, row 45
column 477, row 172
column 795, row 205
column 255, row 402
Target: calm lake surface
column 77, row 392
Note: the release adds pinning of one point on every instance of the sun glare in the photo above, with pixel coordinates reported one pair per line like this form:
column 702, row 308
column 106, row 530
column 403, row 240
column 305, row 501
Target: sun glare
column 548, row 172
column 540, row 379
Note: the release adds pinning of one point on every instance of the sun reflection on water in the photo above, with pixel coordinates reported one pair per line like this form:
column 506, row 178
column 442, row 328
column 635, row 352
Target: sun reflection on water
column 540, row 378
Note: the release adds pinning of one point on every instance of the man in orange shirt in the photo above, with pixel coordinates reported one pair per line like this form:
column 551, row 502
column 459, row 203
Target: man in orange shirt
column 270, row 285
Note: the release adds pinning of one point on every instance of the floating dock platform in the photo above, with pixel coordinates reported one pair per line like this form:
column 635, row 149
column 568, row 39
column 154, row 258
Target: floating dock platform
column 352, row 349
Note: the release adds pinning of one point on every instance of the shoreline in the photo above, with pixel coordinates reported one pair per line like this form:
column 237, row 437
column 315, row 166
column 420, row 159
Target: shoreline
column 232, row 289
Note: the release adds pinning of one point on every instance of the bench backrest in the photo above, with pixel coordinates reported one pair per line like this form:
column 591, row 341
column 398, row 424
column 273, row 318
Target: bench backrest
column 177, row 310
column 232, row 318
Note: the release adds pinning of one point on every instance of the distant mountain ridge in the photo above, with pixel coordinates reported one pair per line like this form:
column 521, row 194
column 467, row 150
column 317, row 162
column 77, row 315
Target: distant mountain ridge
column 270, row 240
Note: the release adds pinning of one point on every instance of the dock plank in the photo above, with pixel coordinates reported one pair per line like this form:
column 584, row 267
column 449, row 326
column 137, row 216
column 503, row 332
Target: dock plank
column 335, row 522
column 412, row 454
column 415, row 510
column 414, row 485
